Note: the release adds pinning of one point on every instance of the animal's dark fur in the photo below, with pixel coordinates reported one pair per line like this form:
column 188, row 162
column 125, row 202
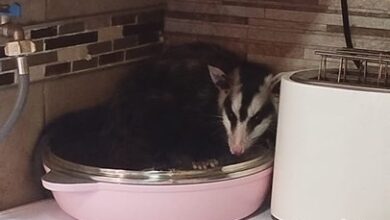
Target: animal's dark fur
column 164, row 115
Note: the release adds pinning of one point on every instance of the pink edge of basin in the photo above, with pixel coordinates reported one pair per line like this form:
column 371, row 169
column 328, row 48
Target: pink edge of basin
column 224, row 200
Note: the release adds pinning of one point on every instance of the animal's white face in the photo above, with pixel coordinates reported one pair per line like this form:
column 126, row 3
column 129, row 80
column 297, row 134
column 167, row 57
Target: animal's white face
column 246, row 115
column 245, row 124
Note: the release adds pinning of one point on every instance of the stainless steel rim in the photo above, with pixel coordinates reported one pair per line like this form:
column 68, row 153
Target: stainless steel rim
column 84, row 173
column 310, row 77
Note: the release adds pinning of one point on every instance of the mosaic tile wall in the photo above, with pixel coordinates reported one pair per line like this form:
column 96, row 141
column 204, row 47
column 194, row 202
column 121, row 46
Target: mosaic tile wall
column 93, row 42
column 281, row 33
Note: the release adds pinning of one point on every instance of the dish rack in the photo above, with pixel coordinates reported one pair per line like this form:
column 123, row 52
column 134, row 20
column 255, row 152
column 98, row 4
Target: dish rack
column 371, row 71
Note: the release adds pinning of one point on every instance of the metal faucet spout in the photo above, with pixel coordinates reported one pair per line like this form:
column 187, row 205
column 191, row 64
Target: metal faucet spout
column 11, row 30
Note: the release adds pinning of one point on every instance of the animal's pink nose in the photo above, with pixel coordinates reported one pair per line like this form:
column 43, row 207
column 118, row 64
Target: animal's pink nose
column 237, row 150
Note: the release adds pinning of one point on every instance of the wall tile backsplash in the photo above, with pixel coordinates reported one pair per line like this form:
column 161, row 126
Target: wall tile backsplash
column 281, row 33
column 69, row 46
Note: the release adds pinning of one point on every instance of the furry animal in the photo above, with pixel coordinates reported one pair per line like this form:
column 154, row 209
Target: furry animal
column 194, row 102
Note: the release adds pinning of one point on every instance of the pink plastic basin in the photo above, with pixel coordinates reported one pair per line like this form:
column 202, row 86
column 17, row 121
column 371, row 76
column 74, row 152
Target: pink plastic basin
column 94, row 197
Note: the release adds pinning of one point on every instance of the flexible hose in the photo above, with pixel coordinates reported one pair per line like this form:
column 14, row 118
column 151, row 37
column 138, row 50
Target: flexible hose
column 346, row 28
column 18, row 107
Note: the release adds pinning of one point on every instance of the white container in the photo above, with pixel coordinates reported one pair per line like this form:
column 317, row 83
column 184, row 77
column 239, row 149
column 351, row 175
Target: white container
column 332, row 159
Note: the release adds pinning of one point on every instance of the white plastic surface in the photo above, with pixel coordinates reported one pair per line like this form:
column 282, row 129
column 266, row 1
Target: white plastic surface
column 41, row 210
column 49, row 210
column 332, row 154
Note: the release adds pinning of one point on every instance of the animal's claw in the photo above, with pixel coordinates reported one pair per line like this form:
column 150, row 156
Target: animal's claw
column 204, row 165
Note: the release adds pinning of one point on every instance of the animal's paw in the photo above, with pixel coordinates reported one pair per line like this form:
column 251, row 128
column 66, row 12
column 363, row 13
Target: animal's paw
column 203, row 165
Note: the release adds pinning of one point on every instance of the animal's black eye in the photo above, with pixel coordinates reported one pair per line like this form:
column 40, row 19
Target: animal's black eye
column 229, row 111
column 256, row 119
column 230, row 114
column 266, row 111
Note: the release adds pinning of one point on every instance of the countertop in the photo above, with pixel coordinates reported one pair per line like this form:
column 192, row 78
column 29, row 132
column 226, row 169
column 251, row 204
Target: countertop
column 49, row 210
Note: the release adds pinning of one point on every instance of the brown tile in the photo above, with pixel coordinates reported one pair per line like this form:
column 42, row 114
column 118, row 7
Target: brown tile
column 305, row 2
column 137, row 29
column 8, row 64
column 39, row 45
column 123, row 19
column 278, row 5
column 303, row 17
column 57, row 69
column 71, row 40
column 127, row 42
column 42, row 58
column 375, row 14
column 35, row 59
column 306, row 38
column 44, row 32
column 71, row 28
column 7, row 78
column 286, row 25
column 72, row 53
column 150, row 17
column 110, row 33
column 85, row 64
column 360, row 31
column 207, row 17
column 17, row 149
column 37, row 72
column 96, row 22
column 277, row 50
column 144, row 51
column 334, row 28
column 111, row 58
column 203, row 28
column 2, row 52
column 99, row 47
column 374, row 6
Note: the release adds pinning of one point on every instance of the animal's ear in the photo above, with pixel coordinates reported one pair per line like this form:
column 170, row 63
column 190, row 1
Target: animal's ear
column 271, row 81
column 219, row 78
column 276, row 79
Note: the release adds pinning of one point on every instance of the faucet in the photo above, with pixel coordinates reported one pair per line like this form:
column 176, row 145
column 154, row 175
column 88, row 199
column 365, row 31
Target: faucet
column 17, row 47
column 6, row 12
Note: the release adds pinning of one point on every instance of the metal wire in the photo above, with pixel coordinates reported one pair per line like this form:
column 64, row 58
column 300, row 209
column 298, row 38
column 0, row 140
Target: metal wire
column 364, row 76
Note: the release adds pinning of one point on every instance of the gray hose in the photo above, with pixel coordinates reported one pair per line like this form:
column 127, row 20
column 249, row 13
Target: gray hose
column 18, row 107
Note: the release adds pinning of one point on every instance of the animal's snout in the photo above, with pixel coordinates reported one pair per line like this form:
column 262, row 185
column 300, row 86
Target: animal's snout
column 238, row 140
column 237, row 149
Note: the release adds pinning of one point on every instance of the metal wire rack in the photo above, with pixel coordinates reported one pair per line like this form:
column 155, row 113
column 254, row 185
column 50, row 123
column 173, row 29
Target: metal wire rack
column 372, row 72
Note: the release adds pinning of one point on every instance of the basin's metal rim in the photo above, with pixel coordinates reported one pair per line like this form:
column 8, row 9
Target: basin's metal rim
column 85, row 173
